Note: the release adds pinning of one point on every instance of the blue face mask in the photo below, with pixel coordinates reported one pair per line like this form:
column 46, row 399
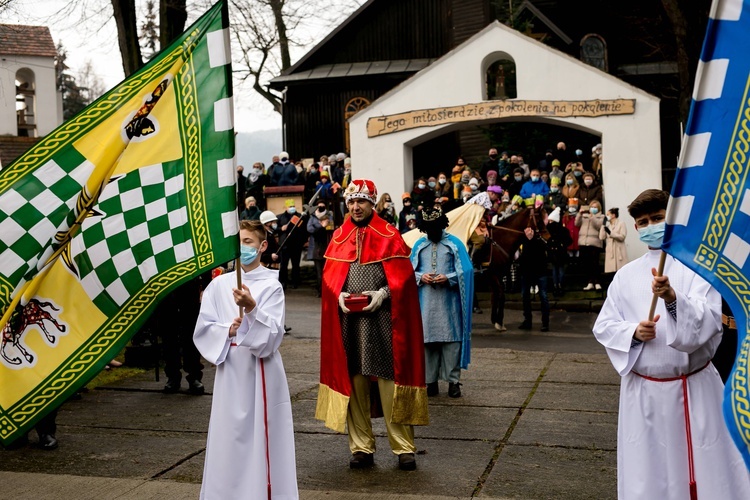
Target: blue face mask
column 431, row 184
column 653, row 234
column 292, row 210
column 248, row 255
column 594, row 211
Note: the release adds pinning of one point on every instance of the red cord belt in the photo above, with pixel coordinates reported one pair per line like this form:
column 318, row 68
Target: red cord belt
column 686, row 408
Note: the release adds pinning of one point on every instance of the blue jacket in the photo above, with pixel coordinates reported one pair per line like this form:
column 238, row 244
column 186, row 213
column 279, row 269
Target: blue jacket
column 531, row 188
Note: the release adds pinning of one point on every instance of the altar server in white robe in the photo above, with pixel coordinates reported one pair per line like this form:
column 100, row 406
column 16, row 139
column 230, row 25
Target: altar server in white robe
column 660, row 454
column 250, row 450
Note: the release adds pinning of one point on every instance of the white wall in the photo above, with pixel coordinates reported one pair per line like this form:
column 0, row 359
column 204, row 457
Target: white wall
column 631, row 143
column 48, row 110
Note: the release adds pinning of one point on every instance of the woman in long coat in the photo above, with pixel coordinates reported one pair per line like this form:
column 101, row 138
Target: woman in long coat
column 613, row 233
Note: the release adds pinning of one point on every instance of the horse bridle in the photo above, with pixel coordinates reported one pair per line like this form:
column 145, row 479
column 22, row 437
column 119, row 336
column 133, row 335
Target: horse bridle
column 532, row 218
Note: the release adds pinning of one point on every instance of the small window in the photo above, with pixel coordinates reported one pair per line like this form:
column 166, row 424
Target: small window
column 25, row 103
column 594, row 51
column 352, row 107
column 501, row 80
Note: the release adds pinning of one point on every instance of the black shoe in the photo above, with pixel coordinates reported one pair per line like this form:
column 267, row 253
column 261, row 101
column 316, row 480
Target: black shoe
column 47, row 442
column 360, row 460
column 526, row 325
column 477, row 310
column 195, row 387
column 171, row 387
column 287, row 329
column 454, row 390
column 433, row 389
column 545, row 328
column 406, row 461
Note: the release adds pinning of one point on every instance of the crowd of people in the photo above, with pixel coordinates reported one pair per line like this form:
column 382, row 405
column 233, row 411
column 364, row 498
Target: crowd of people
column 567, row 184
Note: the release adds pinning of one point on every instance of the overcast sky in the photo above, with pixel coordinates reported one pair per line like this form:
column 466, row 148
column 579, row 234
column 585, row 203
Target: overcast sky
column 88, row 32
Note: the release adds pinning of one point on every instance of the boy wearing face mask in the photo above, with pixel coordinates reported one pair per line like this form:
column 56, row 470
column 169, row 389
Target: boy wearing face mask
column 671, row 435
column 250, row 396
column 555, row 198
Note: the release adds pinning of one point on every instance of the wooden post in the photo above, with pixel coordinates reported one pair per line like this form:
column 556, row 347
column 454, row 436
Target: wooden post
column 238, row 270
column 659, row 272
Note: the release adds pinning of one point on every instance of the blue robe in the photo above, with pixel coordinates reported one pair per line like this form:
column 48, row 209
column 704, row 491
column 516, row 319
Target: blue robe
column 435, row 303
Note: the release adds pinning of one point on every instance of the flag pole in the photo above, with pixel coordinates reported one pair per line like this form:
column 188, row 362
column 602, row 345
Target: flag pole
column 238, row 271
column 659, row 272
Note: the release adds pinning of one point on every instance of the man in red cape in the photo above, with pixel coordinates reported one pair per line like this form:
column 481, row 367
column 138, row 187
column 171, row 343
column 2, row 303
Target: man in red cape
column 379, row 348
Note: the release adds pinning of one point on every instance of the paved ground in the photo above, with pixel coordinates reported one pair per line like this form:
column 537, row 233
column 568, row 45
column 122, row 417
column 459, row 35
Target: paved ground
column 537, row 420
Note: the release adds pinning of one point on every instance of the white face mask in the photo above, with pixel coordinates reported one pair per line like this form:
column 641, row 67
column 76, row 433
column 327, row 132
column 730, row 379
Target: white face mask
column 441, row 180
column 588, row 182
column 422, row 186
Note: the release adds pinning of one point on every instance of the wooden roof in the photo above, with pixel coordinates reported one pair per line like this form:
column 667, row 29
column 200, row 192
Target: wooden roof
column 20, row 40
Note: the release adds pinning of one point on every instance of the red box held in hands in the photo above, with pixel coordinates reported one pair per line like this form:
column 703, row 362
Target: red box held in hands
column 356, row 302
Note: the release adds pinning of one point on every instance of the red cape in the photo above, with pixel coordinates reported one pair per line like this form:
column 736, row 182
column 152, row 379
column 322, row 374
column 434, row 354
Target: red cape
column 382, row 243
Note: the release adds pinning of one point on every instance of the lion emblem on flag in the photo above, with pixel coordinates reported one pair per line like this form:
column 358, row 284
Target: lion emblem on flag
column 13, row 353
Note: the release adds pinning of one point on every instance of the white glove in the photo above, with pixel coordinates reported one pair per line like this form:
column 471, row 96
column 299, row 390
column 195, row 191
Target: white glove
column 376, row 300
column 342, row 296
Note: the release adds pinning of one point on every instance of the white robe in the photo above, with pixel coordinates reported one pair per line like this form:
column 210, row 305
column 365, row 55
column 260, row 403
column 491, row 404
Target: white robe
column 652, row 457
column 235, row 465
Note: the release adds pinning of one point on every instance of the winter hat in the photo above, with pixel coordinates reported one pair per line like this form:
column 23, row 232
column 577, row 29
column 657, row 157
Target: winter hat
column 267, row 217
column 341, row 157
column 555, row 215
column 491, row 173
column 283, row 155
column 474, row 181
column 363, row 189
column 406, row 196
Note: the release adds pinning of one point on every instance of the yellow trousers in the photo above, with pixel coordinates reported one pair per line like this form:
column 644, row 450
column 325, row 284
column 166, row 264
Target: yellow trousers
column 361, row 438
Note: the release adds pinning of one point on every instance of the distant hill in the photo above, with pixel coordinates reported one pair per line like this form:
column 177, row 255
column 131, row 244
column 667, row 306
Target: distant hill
column 258, row 146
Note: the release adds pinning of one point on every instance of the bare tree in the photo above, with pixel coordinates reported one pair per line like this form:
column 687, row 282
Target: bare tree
column 689, row 19
column 266, row 32
column 127, row 35
column 172, row 18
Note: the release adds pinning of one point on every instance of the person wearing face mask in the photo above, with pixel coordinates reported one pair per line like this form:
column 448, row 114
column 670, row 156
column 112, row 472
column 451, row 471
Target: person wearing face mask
column 251, row 212
column 445, row 279
column 312, row 181
column 444, row 191
column 292, row 237
column 255, row 183
column 422, row 194
column 385, row 209
column 491, row 163
column 555, row 198
column 569, row 221
column 240, row 329
column 347, row 173
column 534, row 187
column 590, row 220
column 270, row 256
column 514, row 187
column 320, row 228
column 571, row 187
column 590, row 191
column 555, row 171
column 407, row 219
column 474, row 186
column 671, row 434
column 613, row 233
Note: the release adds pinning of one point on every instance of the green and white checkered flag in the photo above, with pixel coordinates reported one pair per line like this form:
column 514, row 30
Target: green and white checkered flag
column 107, row 214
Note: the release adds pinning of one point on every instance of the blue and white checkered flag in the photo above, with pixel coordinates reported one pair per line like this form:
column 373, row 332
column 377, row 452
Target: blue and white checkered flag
column 708, row 224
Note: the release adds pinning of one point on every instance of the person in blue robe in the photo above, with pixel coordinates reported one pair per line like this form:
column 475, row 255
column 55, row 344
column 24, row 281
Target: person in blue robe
column 445, row 281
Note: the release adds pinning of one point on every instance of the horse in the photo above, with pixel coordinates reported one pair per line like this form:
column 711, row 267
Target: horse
column 504, row 240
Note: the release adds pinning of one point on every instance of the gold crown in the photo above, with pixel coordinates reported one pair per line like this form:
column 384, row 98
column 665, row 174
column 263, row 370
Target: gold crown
column 432, row 215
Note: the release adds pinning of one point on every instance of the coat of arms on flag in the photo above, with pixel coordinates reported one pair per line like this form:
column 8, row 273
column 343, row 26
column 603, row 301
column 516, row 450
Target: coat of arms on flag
column 108, row 213
column 708, row 225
